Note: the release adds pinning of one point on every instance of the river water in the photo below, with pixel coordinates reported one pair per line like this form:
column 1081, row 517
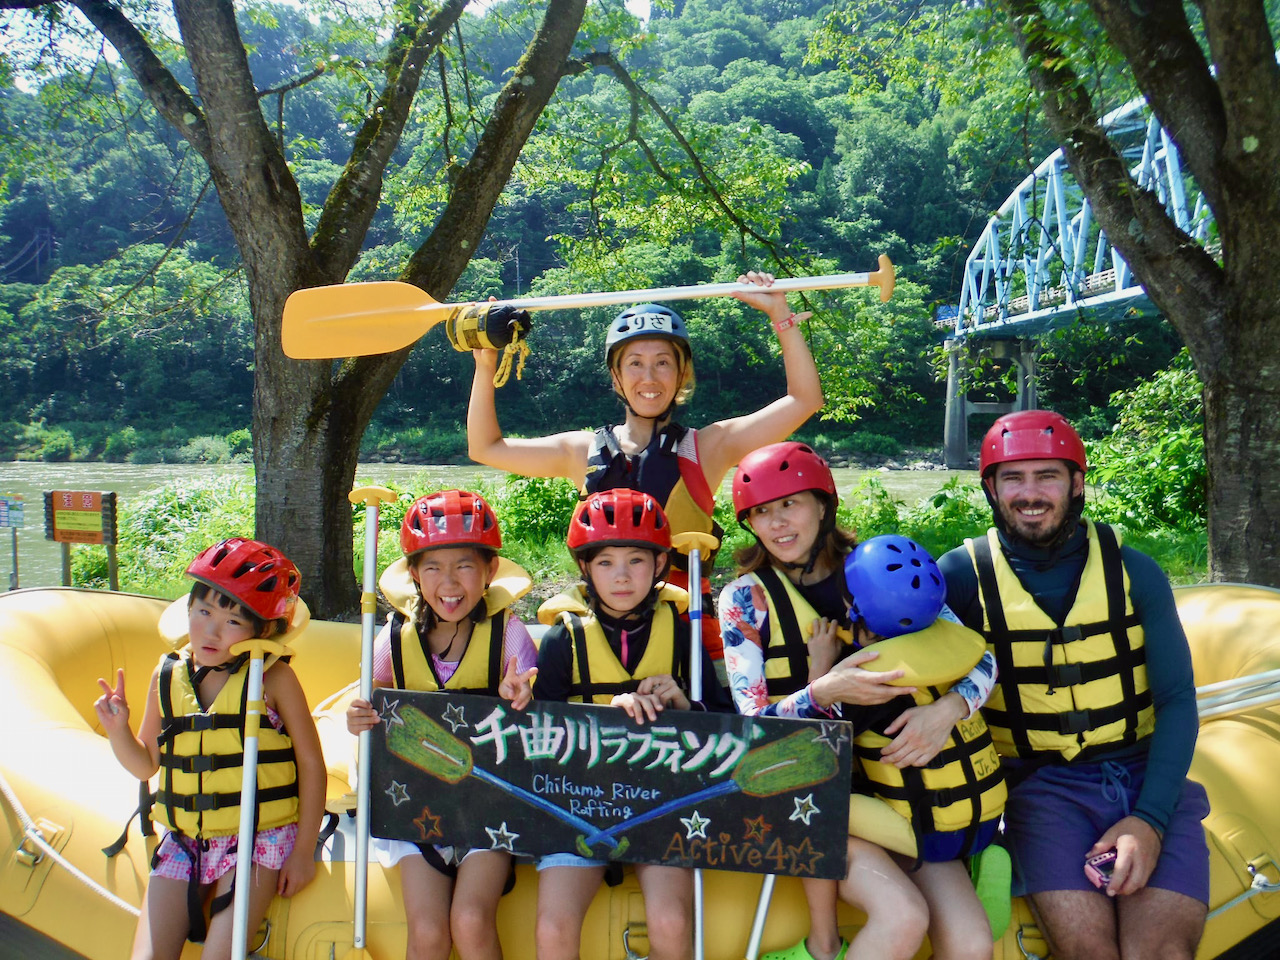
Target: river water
column 39, row 560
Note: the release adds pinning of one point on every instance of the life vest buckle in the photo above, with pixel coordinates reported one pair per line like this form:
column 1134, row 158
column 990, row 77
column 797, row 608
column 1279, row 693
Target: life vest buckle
column 1073, row 722
column 1066, row 635
column 1067, row 674
column 199, row 722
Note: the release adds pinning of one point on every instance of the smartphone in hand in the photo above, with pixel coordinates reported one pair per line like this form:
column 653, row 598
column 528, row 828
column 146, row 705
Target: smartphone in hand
column 1099, row 868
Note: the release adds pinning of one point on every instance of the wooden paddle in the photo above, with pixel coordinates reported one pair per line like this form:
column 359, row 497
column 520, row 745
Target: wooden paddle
column 359, row 319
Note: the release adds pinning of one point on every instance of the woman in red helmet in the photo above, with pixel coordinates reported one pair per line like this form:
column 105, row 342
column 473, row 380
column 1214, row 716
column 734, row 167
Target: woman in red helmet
column 244, row 590
column 650, row 362
column 618, row 639
column 450, row 630
column 781, row 618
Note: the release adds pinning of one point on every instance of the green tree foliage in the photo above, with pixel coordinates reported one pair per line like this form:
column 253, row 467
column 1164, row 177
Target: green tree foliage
column 1152, row 465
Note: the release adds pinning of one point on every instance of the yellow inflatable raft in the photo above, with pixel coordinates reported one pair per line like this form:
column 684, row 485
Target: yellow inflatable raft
column 65, row 797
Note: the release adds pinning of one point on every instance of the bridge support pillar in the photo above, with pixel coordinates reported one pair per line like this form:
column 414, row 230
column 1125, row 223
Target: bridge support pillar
column 959, row 408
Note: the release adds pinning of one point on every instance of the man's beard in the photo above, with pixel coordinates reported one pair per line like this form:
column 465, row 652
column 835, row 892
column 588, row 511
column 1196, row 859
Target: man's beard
column 1046, row 537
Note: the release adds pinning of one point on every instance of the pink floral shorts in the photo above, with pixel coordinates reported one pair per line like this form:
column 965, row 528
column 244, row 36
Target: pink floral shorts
column 218, row 854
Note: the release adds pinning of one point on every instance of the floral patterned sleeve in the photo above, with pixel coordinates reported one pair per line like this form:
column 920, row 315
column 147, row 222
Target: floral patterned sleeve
column 744, row 627
column 977, row 684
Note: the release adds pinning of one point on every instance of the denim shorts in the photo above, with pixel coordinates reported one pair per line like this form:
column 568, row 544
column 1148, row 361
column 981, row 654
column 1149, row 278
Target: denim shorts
column 1059, row 811
column 568, row 860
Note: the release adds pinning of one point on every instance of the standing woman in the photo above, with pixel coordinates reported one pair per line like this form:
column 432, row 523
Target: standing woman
column 650, row 362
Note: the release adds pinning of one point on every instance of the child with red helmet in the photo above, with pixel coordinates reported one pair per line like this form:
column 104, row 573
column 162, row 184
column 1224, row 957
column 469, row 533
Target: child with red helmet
column 782, row 618
column 191, row 732
column 618, row 639
column 450, row 630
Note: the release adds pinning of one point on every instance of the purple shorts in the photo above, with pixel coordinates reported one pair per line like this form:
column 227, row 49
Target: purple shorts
column 1058, row 812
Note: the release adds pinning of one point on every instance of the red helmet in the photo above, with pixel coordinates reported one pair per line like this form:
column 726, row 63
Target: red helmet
column 778, row 470
column 1031, row 435
column 619, row 518
column 450, row 518
column 259, row 577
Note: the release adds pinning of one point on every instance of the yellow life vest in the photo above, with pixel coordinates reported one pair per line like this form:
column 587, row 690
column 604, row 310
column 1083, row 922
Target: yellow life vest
column 962, row 787
column 598, row 674
column 1078, row 688
column 202, row 757
column 480, row 669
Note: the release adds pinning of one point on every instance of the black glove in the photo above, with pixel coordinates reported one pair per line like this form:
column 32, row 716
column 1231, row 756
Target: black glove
column 479, row 326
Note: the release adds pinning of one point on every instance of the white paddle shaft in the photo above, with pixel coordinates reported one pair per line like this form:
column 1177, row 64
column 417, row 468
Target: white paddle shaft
column 248, row 803
column 573, row 301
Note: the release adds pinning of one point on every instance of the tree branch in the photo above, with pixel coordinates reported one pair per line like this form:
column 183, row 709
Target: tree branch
column 1178, row 274
column 607, row 61
column 160, row 86
column 354, row 199
column 1171, row 71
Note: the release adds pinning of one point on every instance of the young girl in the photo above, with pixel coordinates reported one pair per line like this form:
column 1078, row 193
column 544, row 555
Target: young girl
column 450, row 631
column 195, row 714
column 791, row 583
column 650, row 362
column 618, row 639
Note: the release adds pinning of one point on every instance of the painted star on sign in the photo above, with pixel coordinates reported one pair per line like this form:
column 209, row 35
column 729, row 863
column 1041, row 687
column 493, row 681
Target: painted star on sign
column 398, row 793
column 453, row 716
column 502, row 838
column 756, row 828
column 833, row 734
column 803, row 858
column 695, row 826
column 428, row 818
column 390, row 713
column 805, row 808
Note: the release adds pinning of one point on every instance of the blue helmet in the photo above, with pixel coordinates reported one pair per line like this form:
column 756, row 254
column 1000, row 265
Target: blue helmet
column 896, row 586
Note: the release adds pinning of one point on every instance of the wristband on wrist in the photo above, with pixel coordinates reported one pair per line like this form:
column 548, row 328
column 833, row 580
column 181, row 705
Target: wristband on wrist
column 786, row 323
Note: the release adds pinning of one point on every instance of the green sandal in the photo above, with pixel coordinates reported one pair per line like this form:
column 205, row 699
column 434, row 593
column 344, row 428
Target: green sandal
column 801, row 952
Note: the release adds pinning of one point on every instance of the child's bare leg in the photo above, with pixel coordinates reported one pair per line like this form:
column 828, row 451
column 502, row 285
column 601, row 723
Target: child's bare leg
column 668, row 910
column 427, row 893
column 897, row 916
column 473, row 916
column 564, row 896
column 823, row 941
column 162, row 927
column 262, row 889
column 958, row 926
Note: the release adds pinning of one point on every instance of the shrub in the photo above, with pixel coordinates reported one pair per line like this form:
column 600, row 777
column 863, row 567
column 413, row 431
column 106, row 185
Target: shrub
column 203, row 450
column 58, row 447
column 532, row 508
column 120, row 445
column 1151, row 469
column 874, row 444
column 240, row 443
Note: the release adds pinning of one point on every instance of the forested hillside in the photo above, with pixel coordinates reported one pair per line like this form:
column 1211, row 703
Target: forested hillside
column 124, row 325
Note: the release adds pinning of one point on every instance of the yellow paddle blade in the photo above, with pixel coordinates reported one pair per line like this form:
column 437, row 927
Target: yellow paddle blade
column 358, row 319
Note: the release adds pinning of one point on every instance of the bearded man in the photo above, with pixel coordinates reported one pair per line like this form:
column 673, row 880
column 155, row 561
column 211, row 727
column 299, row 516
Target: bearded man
column 1094, row 711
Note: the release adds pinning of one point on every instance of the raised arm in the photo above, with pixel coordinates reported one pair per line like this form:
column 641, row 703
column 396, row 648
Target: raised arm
column 557, row 455
column 724, row 443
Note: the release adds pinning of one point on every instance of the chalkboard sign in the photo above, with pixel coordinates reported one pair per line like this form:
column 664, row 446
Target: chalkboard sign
column 692, row 789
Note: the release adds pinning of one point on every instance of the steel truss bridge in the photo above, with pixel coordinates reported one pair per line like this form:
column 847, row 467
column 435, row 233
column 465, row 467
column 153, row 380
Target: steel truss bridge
column 1042, row 262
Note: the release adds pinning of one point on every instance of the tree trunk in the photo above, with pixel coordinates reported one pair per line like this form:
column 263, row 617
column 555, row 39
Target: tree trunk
column 1242, row 451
